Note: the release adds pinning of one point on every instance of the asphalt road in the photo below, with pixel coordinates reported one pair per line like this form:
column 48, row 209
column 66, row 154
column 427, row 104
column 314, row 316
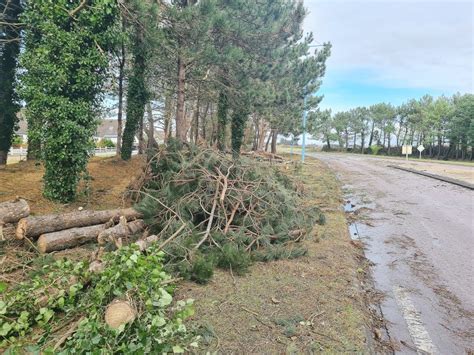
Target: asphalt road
column 419, row 233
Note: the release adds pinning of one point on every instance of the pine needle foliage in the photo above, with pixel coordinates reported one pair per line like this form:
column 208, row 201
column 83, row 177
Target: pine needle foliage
column 214, row 211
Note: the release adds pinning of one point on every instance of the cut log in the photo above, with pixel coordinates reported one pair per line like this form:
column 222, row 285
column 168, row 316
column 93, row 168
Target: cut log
column 7, row 232
column 122, row 230
column 68, row 238
column 13, row 211
column 119, row 312
column 34, row 226
column 145, row 243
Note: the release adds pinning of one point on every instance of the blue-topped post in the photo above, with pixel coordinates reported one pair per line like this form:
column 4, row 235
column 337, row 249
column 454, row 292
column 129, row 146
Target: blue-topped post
column 305, row 114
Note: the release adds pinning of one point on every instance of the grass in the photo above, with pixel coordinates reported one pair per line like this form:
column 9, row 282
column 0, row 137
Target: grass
column 312, row 303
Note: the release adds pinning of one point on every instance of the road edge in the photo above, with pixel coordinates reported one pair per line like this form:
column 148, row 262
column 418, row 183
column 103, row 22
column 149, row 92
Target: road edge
column 434, row 176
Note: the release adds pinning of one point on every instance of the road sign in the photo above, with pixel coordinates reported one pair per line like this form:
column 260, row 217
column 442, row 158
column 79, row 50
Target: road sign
column 420, row 149
column 406, row 149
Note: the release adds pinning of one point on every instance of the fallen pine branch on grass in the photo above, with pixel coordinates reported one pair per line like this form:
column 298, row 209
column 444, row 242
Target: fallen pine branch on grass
column 245, row 204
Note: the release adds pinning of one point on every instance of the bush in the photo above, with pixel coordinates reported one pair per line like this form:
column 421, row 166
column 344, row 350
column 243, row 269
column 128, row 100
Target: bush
column 375, row 149
column 128, row 274
column 17, row 141
column 105, row 143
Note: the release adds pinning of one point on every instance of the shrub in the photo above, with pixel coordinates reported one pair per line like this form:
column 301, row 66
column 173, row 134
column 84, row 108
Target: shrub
column 105, row 143
column 128, row 274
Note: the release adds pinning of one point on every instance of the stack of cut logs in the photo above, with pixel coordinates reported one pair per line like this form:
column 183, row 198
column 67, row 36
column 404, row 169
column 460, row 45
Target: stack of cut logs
column 67, row 230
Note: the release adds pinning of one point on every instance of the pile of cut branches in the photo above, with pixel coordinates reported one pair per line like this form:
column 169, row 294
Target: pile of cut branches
column 210, row 210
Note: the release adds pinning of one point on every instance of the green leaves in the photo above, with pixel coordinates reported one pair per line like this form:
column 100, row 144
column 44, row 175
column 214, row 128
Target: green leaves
column 158, row 328
column 64, row 71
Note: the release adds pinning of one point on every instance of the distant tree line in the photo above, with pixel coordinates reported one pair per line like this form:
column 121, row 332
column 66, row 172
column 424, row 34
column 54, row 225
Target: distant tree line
column 443, row 125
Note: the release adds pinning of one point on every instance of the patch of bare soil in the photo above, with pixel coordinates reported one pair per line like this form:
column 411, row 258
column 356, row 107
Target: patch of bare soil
column 310, row 304
column 104, row 189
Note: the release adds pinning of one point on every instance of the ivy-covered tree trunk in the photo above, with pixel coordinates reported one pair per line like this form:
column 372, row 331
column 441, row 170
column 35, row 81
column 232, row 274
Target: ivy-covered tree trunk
column 120, row 100
column 239, row 118
column 65, row 69
column 9, row 50
column 222, row 111
column 136, row 98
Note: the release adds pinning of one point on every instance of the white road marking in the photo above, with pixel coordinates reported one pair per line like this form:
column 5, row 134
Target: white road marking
column 418, row 332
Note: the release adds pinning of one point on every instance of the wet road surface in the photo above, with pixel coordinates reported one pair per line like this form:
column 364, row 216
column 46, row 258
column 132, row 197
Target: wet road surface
column 419, row 233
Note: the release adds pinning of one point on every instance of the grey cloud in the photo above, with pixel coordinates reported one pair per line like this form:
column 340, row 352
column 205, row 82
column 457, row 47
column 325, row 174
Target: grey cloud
column 423, row 44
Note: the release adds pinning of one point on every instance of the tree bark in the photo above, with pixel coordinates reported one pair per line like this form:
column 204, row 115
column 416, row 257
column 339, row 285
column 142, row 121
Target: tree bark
column 141, row 141
column 268, row 141
column 196, row 120
column 180, row 118
column 274, row 141
column 13, row 211
column 122, row 230
column 371, row 134
column 3, row 158
column 151, row 127
column 167, row 117
column 69, row 238
column 7, row 232
column 120, row 100
column 33, row 226
column 204, row 121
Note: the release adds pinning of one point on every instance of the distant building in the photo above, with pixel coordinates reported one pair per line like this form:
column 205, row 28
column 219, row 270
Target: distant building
column 22, row 130
column 107, row 129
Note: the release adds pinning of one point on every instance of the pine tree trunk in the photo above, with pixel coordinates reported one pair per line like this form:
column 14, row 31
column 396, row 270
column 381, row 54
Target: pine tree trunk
column 274, row 141
column 167, row 117
column 389, row 143
column 13, row 211
column 204, row 122
column 68, row 238
column 180, row 117
column 33, row 226
column 151, row 142
column 371, row 134
column 268, row 141
column 439, row 147
column 196, row 120
column 122, row 230
column 222, row 110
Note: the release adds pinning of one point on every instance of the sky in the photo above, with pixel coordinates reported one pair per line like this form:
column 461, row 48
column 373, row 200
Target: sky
column 392, row 51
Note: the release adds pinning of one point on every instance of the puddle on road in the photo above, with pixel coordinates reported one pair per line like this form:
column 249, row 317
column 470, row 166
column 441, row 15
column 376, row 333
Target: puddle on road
column 353, row 208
